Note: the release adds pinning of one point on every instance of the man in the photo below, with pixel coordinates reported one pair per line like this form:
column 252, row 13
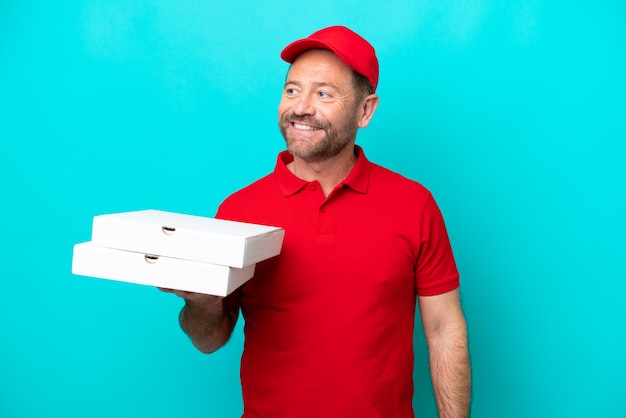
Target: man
column 329, row 322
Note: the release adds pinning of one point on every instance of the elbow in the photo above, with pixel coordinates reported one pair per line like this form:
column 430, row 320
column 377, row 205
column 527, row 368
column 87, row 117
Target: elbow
column 207, row 333
column 449, row 333
column 205, row 348
column 209, row 346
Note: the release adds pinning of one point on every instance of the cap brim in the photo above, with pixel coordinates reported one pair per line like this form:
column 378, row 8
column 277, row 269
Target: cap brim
column 291, row 51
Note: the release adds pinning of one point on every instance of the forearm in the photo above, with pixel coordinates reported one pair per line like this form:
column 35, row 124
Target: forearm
column 207, row 324
column 451, row 373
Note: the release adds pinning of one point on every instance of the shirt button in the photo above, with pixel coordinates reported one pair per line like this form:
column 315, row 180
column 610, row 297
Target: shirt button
column 313, row 187
column 323, row 210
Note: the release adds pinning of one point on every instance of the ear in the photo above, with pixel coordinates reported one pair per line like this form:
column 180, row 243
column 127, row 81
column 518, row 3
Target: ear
column 367, row 109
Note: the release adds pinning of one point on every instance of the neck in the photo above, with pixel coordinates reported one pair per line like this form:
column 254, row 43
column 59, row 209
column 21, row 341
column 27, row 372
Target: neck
column 328, row 173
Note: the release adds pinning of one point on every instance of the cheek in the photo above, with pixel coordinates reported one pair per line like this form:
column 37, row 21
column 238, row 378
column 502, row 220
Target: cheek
column 337, row 119
column 283, row 109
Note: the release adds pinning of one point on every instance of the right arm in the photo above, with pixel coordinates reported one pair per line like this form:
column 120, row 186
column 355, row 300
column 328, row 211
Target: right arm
column 208, row 320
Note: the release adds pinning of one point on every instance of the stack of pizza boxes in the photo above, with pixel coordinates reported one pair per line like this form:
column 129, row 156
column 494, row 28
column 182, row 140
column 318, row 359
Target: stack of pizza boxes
column 175, row 251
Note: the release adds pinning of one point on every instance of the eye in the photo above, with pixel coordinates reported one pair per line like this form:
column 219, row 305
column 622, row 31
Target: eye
column 323, row 94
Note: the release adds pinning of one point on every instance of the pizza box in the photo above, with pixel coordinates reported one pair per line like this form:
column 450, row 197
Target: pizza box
column 153, row 270
column 189, row 237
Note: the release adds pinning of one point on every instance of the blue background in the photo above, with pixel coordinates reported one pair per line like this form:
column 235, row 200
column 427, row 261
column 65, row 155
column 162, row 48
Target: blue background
column 513, row 113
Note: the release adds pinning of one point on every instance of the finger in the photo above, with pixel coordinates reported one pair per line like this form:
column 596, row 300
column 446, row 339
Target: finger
column 180, row 293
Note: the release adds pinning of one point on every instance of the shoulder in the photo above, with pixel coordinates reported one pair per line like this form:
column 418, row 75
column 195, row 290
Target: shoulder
column 238, row 205
column 384, row 180
column 259, row 188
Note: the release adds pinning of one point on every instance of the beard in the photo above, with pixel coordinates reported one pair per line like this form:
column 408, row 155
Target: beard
column 333, row 142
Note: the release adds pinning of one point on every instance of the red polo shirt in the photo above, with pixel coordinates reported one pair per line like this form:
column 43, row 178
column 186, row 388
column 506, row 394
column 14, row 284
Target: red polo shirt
column 329, row 322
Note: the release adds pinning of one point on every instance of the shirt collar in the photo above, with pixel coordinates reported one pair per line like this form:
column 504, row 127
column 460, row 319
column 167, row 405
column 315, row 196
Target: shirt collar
column 289, row 184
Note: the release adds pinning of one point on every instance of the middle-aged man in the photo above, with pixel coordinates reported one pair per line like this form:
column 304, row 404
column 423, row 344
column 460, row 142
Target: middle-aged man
column 329, row 323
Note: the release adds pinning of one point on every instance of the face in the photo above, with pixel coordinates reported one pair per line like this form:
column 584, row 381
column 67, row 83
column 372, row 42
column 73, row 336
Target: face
column 318, row 111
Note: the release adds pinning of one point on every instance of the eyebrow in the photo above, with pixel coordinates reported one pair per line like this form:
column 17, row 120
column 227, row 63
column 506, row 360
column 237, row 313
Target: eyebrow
column 316, row 84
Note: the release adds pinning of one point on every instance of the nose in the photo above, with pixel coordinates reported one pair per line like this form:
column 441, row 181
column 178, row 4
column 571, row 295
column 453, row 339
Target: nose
column 304, row 106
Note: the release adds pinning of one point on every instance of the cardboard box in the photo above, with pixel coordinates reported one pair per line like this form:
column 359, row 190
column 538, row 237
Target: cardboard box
column 208, row 240
column 147, row 269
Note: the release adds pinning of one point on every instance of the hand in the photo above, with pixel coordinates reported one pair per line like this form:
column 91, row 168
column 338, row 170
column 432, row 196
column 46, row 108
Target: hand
column 199, row 298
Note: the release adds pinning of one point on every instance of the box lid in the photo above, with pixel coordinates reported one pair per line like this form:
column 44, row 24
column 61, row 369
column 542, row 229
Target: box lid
column 190, row 237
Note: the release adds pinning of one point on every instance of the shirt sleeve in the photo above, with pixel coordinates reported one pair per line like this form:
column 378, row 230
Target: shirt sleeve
column 435, row 271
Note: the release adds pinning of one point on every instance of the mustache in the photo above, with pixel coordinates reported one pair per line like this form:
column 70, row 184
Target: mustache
column 304, row 119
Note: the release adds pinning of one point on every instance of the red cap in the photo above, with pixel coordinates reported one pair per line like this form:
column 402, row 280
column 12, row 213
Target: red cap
column 346, row 44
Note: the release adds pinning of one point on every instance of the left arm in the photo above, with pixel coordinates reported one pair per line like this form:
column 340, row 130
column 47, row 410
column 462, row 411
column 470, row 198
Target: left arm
column 446, row 335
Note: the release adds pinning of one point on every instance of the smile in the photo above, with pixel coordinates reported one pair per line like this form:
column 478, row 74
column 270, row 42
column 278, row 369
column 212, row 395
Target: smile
column 302, row 127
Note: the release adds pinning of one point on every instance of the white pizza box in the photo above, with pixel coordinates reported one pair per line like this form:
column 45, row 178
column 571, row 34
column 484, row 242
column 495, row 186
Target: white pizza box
column 208, row 240
column 152, row 270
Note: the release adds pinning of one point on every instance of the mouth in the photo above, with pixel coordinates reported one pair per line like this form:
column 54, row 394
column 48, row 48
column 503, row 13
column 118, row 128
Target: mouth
column 304, row 127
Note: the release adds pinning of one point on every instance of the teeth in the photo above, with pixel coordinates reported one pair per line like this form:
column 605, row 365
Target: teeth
column 304, row 127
